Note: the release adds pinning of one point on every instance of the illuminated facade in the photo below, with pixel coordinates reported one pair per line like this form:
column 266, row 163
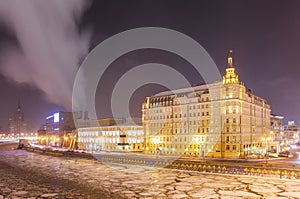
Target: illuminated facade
column 277, row 128
column 221, row 119
column 291, row 133
column 111, row 135
column 59, row 130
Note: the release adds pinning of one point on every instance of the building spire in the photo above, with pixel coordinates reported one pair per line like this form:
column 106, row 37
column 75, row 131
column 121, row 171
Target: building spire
column 230, row 77
column 230, row 65
column 19, row 105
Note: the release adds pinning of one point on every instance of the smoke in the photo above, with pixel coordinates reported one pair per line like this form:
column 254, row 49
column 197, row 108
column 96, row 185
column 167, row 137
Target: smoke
column 49, row 45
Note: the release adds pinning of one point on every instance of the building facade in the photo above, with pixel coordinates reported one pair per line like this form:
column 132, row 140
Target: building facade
column 277, row 134
column 277, row 128
column 291, row 133
column 59, row 130
column 220, row 119
column 17, row 124
column 111, row 135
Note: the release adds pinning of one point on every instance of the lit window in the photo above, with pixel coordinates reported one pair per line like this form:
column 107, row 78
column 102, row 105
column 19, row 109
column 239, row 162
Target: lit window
column 234, row 138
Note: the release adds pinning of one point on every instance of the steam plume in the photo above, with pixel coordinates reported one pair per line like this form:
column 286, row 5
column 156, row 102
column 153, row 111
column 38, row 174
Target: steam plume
column 49, row 45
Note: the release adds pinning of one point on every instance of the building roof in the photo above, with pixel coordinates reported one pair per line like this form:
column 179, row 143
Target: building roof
column 136, row 122
column 198, row 87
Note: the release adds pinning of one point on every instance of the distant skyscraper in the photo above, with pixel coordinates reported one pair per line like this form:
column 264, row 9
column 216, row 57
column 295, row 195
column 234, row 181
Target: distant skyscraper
column 17, row 124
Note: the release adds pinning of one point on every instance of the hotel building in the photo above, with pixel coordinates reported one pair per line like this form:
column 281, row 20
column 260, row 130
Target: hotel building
column 221, row 119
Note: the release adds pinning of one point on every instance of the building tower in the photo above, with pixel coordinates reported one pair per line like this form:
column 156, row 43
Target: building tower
column 230, row 76
column 16, row 124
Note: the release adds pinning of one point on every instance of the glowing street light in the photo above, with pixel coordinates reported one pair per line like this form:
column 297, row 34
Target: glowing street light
column 267, row 140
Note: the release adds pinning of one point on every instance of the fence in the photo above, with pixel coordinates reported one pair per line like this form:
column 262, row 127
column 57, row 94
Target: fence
column 182, row 165
column 208, row 168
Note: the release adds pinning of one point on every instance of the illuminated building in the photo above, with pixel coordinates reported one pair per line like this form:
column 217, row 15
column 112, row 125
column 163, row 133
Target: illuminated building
column 111, row 135
column 17, row 124
column 291, row 133
column 277, row 127
column 277, row 133
column 220, row 119
column 59, row 130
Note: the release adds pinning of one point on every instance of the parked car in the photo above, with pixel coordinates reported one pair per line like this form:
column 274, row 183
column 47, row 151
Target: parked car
column 273, row 155
column 252, row 156
column 284, row 154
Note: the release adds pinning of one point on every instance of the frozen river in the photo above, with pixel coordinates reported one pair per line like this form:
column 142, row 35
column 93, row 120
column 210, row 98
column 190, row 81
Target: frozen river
column 30, row 175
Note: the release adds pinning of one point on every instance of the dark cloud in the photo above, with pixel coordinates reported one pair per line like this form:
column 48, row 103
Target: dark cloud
column 264, row 36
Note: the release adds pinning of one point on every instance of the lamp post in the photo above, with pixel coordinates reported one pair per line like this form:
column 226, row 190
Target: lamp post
column 156, row 142
column 272, row 135
column 196, row 148
column 267, row 139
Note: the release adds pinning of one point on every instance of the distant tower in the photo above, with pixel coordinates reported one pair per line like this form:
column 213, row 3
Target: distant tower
column 230, row 76
column 17, row 124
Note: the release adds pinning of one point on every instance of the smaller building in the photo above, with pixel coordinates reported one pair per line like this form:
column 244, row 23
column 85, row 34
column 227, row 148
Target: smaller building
column 2, row 133
column 291, row 133
column 277, row 133
column 59, row 130
column 111, row 135
column 277, row 127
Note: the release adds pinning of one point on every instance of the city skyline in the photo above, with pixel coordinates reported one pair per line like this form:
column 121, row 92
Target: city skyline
column 264, row 54
column 149, row 99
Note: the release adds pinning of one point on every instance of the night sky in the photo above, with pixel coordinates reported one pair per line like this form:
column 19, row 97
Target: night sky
column 264, row 37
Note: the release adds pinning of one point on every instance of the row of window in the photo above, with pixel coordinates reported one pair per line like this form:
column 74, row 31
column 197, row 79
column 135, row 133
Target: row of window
column 181, row 131
column 178, row 108
column 109, row 133
column 233, row 139
column 174, row 102
column 178, row 116
column 110, row 140
column 233, row 147
column 233, row 129
column 180, row 139
column 181, row 146
column 178, row 124
column 233, row 120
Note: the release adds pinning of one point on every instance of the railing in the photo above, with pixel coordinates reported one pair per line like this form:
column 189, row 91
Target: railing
column 204, row 167
column 61, row 153
column 209, row 168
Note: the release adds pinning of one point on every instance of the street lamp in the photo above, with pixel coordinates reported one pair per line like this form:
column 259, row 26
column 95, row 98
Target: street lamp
column 156, row 141
column 272, row 135
column 267, row 139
